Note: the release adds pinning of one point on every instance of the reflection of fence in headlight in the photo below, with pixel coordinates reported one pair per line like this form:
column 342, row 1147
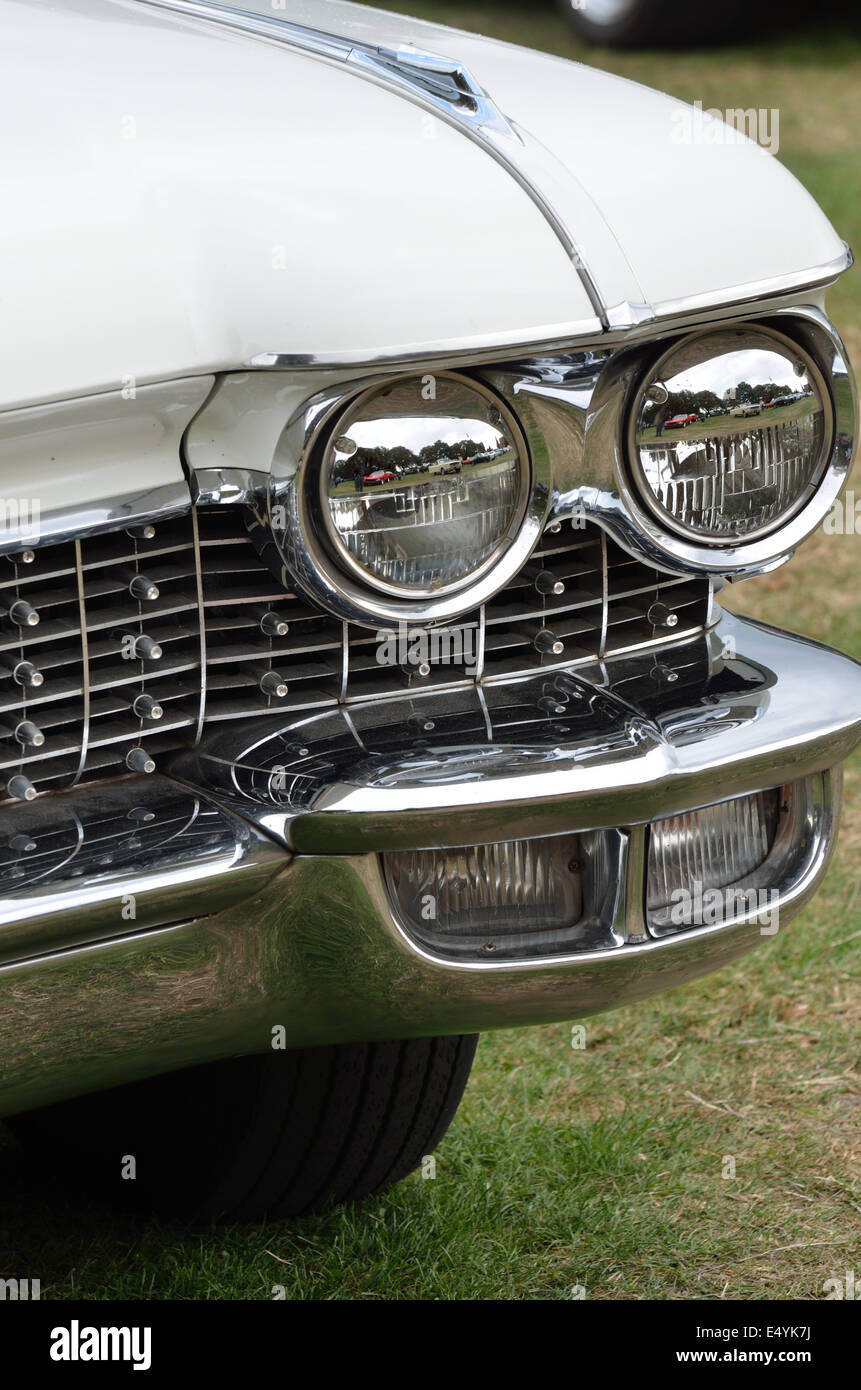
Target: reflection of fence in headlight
column 724, row 483
column 437, row 531
column 729, row 435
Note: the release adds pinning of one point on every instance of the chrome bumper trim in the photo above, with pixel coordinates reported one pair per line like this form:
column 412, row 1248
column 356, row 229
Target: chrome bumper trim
column 641, row 736
column 320, row 953
column 101, row 861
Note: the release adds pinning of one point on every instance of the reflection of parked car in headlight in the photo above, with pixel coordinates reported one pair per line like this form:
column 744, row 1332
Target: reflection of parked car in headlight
column 383, row 476
column 749, row 408
column 678, row 422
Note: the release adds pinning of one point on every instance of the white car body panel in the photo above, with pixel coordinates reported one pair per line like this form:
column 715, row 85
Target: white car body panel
column 97, row 462
column 182, row 198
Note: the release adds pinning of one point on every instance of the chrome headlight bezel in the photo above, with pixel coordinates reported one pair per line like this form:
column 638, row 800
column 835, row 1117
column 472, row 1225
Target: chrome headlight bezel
column 752, row 332
column 508, row 428
column 302, row 538
column 806, row 329
column 575, row 406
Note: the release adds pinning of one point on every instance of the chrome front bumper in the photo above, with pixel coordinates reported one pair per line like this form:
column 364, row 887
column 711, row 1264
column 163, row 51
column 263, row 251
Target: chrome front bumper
column 157, row 923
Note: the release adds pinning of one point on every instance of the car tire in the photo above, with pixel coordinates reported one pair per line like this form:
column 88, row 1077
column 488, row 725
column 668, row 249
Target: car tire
column 653, row 23
column 264, row 1136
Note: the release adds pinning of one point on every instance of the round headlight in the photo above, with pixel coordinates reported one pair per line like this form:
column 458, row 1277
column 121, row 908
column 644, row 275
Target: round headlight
column 730, row 434
column 423, row 485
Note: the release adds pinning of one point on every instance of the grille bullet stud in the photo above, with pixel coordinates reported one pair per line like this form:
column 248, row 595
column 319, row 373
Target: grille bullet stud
column 544, row 580
column 547, row 642
column 139, row 644
column 21, row 788
column 25, row 732
column 547, row 583
column 273, row 626
column 145, row 707
column 137, row 760
column 548, row 705
column 21, row 613
column 659, row 615
column 408, row 671
column 23, row 672
column 663, row 674
column 139, row 586
column 272, row 684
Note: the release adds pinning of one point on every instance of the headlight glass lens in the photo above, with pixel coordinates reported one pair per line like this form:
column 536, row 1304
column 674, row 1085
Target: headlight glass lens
column 730, row 435
column 423, row 485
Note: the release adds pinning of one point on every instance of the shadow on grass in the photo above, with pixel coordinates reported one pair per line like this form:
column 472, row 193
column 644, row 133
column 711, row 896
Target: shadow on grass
column 65, row 1238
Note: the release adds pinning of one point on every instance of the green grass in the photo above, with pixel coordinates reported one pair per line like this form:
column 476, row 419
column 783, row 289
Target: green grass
column 602, row 1167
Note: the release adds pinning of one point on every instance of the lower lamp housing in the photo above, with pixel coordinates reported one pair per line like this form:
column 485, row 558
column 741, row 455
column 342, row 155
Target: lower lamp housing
column 734, row 859
column 558, row 895
column 514, row 899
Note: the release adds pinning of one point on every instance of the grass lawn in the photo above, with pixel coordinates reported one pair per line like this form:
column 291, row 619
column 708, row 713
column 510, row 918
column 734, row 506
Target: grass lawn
column 606, row 1167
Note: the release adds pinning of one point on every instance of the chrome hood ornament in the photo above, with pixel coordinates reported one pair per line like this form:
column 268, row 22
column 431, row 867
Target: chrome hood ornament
column 443, row 80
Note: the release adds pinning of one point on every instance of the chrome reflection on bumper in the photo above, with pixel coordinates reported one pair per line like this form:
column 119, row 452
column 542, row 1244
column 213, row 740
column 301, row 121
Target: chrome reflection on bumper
column 320, row 954
column 114, row 858
column 91, row 998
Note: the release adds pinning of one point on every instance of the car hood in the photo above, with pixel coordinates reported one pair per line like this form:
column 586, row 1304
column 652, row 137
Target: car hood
column 192, row 198
column 666, row 203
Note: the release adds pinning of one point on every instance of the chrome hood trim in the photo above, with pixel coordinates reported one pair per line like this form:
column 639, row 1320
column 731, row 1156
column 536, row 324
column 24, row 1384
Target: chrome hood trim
column 760, row 297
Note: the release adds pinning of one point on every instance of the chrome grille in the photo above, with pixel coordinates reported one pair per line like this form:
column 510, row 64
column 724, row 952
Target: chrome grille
column 214, row 597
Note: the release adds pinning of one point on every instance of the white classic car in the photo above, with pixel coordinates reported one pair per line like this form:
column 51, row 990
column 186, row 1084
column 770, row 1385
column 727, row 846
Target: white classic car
column 365, row 683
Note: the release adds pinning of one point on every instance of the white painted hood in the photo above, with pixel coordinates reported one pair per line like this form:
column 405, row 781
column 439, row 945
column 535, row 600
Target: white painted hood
column 690, row 217
column 179, row 198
